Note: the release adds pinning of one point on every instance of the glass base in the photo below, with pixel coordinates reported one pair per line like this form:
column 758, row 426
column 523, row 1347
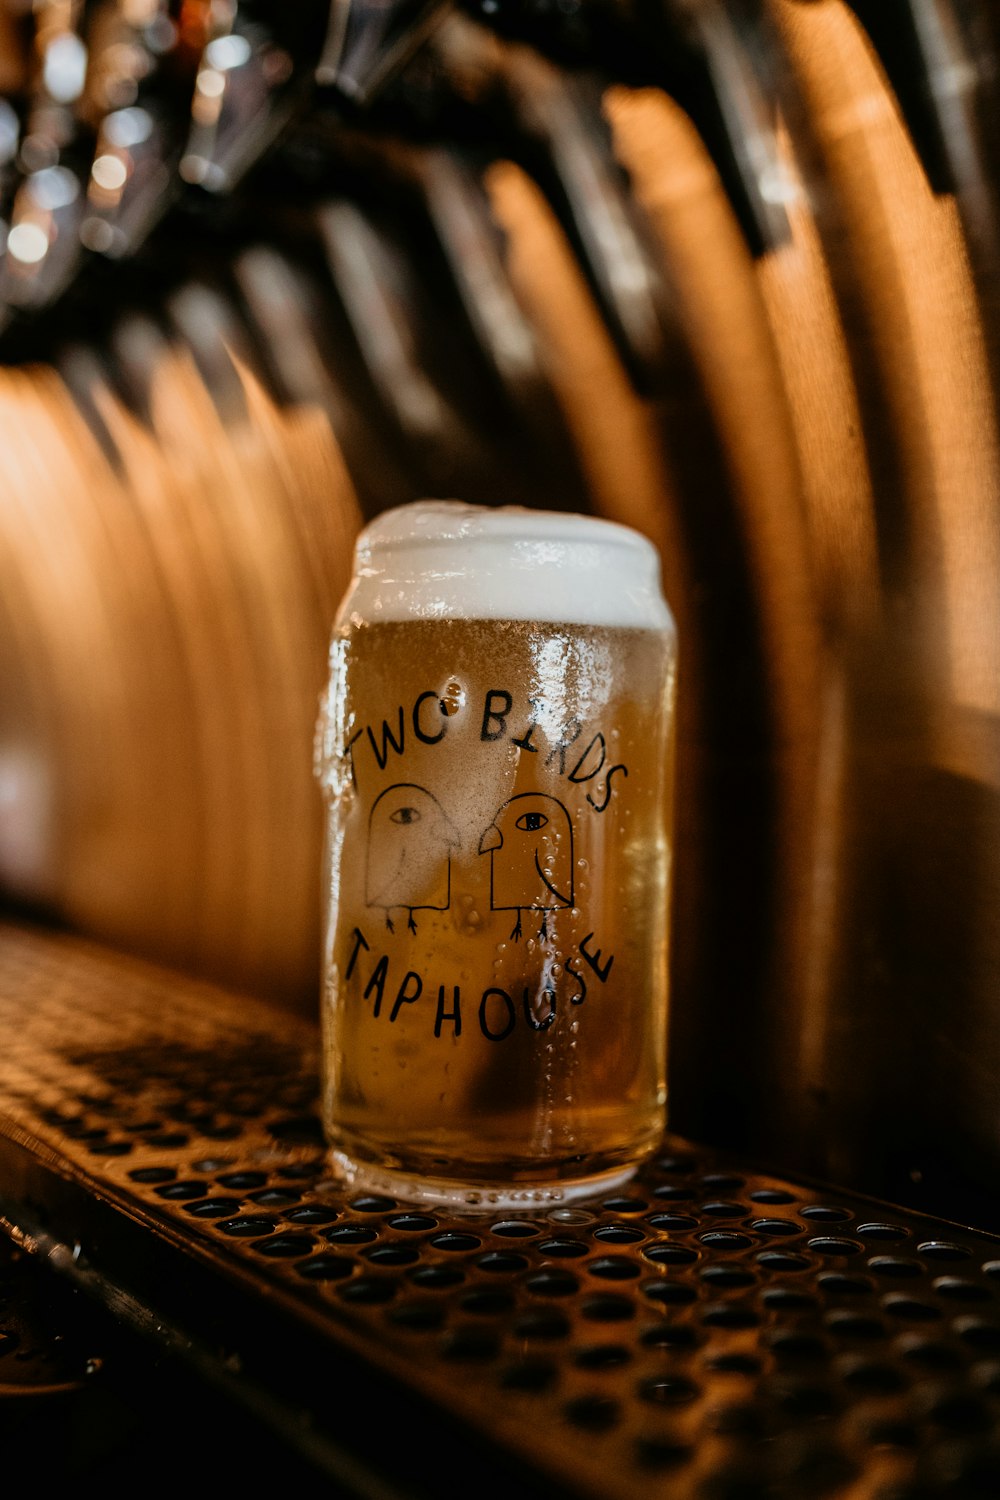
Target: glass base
column 475, row 1197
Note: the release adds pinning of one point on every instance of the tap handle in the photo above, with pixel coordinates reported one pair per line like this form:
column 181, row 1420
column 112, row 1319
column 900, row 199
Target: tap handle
column 942, row 61
column 368, row 41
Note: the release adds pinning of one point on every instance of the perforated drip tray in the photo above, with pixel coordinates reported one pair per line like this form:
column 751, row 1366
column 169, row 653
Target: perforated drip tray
column 713, row 1333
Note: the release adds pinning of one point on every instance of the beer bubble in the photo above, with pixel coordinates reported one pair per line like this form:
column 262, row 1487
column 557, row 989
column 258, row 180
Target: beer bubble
column 452, row 698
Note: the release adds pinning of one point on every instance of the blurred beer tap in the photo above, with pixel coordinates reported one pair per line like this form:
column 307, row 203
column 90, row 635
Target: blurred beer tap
column 139, row 86
column 255, row 73
column 84, row 374
column 365, row 44
column 942, row 61
column 518, row 383
column 42, row 248
column 137, row 348
column 10, row 136
column 305, row 357
column 208, row 326
column 383, row 293
column 504, row 100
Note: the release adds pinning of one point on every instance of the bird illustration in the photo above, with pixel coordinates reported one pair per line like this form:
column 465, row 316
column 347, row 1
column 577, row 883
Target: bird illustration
column 530, row 844
column 410, row 839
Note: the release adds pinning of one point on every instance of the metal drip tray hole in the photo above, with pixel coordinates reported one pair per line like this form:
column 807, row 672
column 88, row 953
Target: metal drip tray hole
column 602, row 1357
column 502, row 1263
column 669, row 1255
column 852, row 1325
column 248, row 1225
column 957, row 1289
column 842, row 1284
column 943, row 1250
column 351, row 1234
column 325, row 1268
column 897, row 1267
column 670, row 1293
column 421, row 1316
column 672, row 1221
column 548, row 1323
column 725, row 1239
column 614, row 1268
column 671, row 1336
column 471, row 1344
column 516, row 1230
column 530, row 1377
column 487, row 1303
column 779, row 1227
column 311, row 1213
column 608, row 1309
column 439, row 1277
column 618, row 1234
column 881, row 1232
column 593, row 1413
column 668, row 1390
column 788, row 1298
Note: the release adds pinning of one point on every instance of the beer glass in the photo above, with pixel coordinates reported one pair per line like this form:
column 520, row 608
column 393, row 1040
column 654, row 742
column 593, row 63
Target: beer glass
column 495, row 748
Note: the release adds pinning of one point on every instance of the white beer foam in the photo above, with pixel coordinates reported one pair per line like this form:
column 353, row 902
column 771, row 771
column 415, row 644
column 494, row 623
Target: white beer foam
column 446, row 559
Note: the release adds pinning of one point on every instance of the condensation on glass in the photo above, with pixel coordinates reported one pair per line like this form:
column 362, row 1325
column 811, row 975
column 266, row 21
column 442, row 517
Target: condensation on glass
column 495, row 748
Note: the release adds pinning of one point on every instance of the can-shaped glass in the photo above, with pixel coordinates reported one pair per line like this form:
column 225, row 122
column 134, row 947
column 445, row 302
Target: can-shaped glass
column 495, row 748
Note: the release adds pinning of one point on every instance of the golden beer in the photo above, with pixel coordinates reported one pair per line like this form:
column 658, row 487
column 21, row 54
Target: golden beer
column 495, row 748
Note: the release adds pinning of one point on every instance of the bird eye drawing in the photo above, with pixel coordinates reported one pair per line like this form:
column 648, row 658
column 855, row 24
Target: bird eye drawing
column 410, row 839
column 531, row 821
column 530, row 844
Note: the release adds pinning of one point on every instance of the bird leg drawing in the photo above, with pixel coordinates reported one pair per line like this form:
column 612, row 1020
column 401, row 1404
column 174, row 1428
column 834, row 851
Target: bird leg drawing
column 530, row 844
